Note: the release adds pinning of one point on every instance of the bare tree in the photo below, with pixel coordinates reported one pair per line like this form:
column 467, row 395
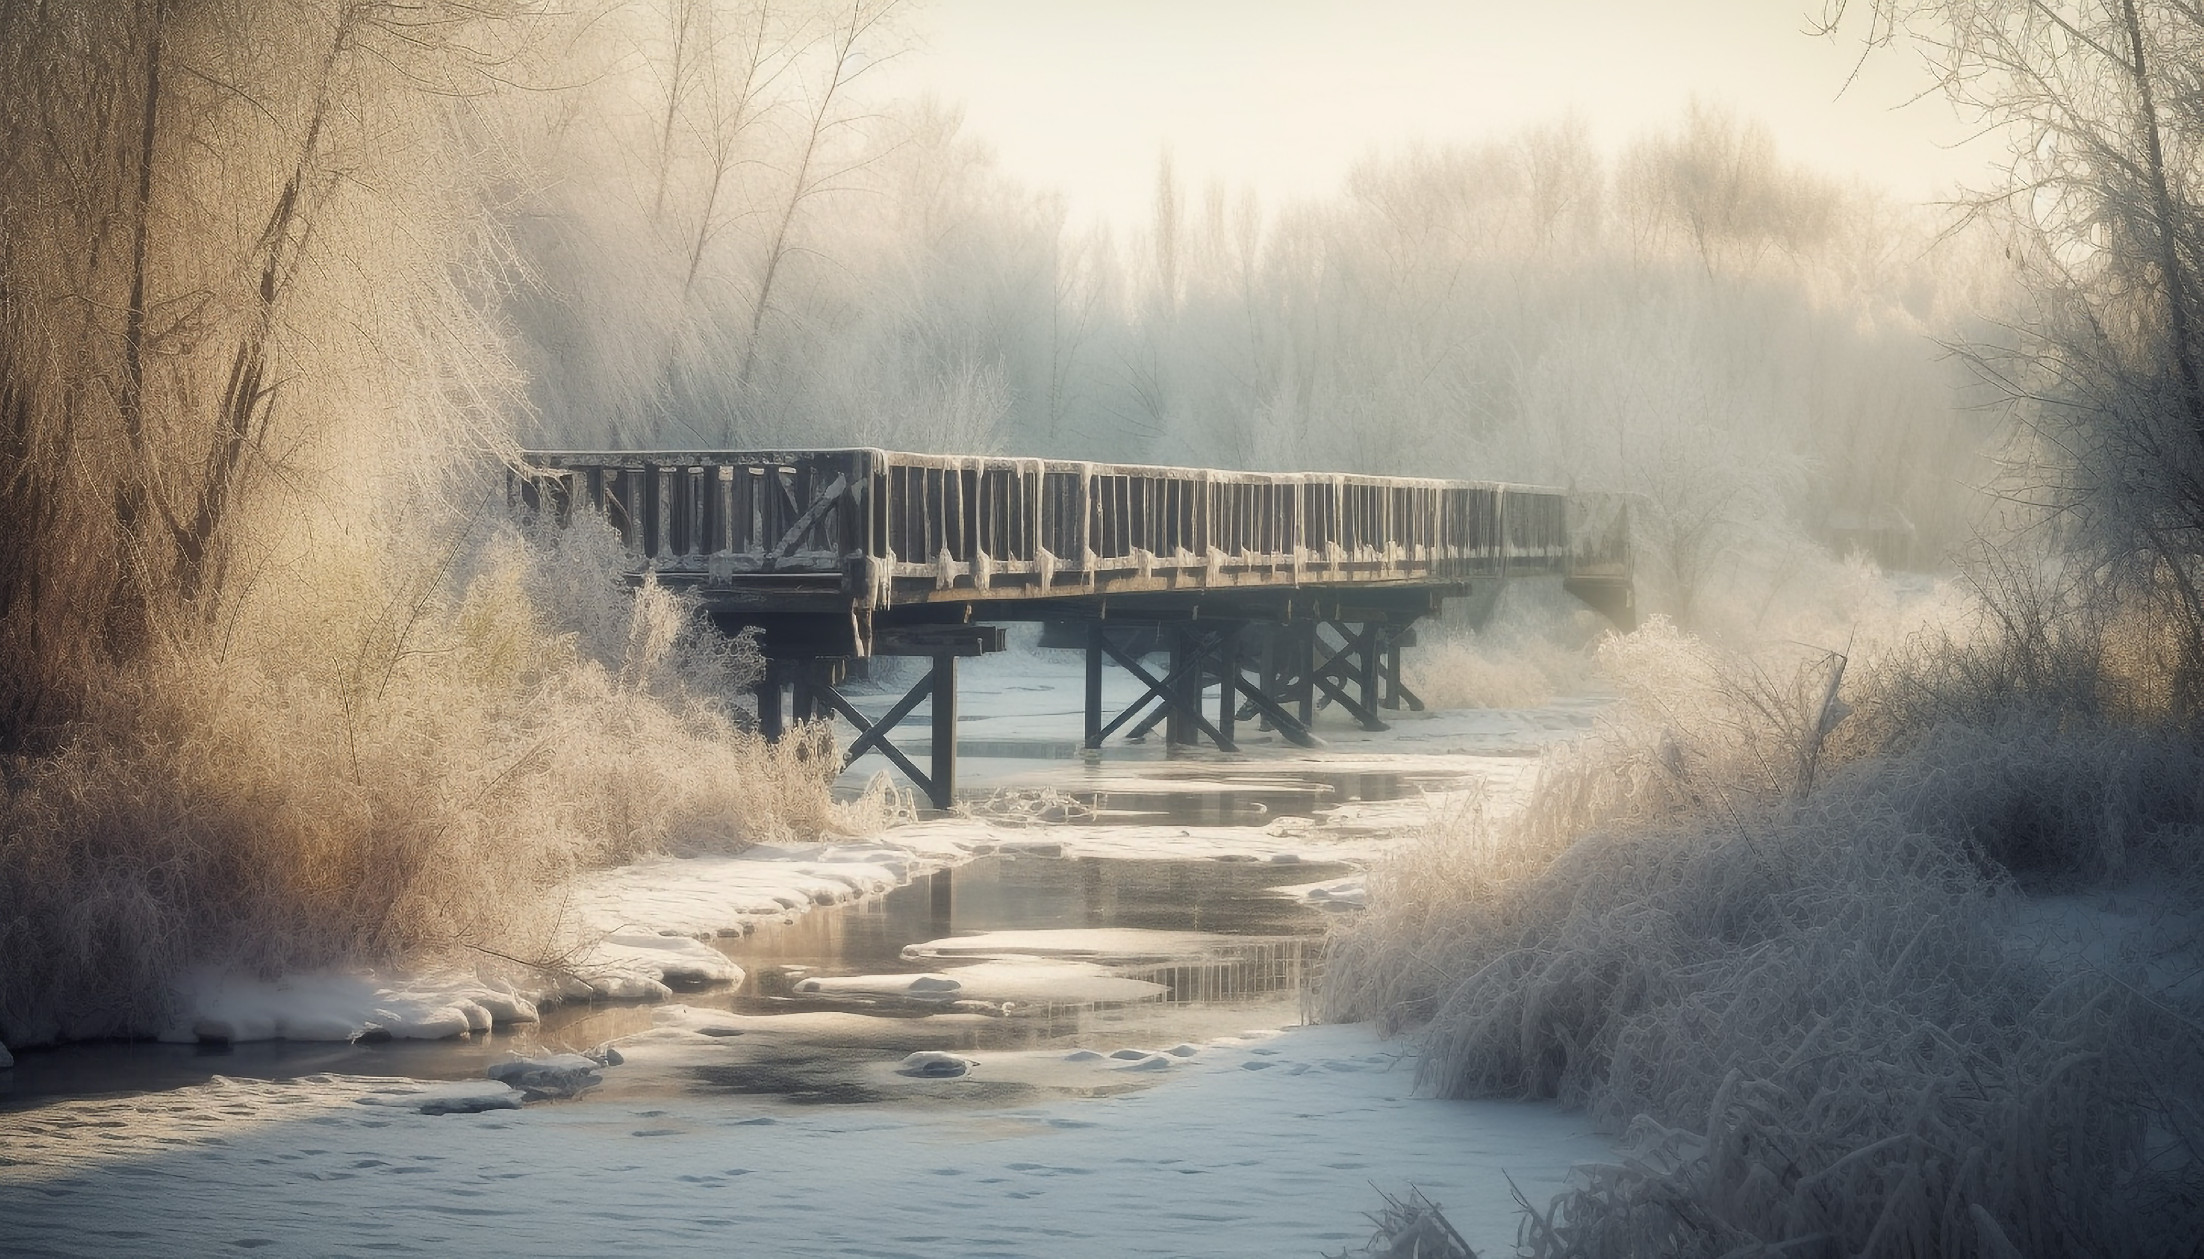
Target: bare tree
column 190, row 196
column 2101, row 105
column 735, row 61
column 1718, row 181
column 847, row 56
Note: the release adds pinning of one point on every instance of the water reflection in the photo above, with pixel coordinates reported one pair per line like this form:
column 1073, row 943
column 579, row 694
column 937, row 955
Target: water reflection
column 1265, row 949
column 1253, row 973
column 1248, row 959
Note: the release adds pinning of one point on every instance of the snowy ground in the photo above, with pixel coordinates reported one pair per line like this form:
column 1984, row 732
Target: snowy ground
column 1268, row 1143
column 1265, row 1147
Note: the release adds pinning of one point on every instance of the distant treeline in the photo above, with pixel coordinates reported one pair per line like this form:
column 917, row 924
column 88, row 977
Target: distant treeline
column 725, row 242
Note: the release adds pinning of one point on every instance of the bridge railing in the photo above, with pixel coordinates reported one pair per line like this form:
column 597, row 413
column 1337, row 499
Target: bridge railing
column 896, row 527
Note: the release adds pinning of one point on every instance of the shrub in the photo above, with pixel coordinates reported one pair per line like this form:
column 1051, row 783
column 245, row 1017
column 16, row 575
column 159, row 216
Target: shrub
column 380, row 789
column 1823, row 1019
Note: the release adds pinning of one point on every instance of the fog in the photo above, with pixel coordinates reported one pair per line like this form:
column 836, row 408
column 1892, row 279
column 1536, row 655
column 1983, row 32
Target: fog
column 288, row 290
column 735, row 241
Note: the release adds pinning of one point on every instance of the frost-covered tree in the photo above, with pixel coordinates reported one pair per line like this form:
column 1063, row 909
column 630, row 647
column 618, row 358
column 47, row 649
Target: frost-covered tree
column 234, row 249
column 2102, row 108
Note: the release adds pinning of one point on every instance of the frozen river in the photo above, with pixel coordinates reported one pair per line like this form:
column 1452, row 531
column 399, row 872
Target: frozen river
column 1067, row 1025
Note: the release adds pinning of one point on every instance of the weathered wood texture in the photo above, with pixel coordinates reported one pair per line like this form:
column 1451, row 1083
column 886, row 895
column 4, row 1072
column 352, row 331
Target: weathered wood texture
column 886, row 529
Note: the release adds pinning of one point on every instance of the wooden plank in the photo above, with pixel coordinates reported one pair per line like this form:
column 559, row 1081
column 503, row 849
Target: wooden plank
column 810, row 517
column 1146, row 528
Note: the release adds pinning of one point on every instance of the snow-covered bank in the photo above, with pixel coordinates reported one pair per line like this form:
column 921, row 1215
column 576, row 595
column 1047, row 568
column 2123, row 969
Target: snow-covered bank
column 1265, row 1147
column 1941, row 999
column 643, row 927
column 351, row 1005
column 637, row 931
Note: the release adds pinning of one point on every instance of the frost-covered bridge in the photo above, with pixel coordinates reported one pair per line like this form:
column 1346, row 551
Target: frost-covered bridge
column 1280, row 591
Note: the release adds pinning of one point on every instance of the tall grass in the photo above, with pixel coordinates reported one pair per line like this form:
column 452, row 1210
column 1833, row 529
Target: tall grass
column 272, row 695
column 1532, row 645
column 359, row 790
column 1814, row 1012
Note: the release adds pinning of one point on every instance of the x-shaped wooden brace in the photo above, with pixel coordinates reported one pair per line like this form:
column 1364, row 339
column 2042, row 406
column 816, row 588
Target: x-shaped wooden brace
column 1329, row 675
column 873, row 735
column 1285, row 723
column 1211, row 647
column 1167, row 689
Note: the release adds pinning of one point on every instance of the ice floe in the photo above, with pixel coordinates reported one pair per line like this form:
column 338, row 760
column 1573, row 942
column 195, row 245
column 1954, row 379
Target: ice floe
column 540, row 1079
column 932, row 1064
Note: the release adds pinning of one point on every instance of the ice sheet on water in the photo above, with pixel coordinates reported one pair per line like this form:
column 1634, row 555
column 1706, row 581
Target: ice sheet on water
column 555, row 1076
column 933, row 1064
column 907, row 987
column 220, row 1006
column 1013, row 981
column 708, row 896
column 1102, row 945
column 443, row 1097
column 1273, row 1162
column 1335, row 894
column 637, row 966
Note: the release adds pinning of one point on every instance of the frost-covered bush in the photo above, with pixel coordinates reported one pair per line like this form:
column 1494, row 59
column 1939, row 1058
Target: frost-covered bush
column 1532, row 647
column 1822, row 1018
column 343, row 787
column 2042, row 633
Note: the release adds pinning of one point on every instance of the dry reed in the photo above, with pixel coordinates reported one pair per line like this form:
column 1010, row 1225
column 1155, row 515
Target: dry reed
column 1814, row 1014
column 353, row 794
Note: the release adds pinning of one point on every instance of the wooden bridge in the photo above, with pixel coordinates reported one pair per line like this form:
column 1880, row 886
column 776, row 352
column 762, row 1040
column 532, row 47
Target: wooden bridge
column 1310, row 582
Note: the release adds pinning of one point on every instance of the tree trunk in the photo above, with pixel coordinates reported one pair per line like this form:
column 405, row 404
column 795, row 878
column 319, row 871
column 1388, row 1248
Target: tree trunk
column 2177, row 299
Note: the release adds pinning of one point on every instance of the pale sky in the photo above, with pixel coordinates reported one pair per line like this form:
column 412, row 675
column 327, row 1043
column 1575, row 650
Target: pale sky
column 1285, row 95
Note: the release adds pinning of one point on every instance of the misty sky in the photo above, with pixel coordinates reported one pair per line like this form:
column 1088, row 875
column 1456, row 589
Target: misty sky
column 1284, row 95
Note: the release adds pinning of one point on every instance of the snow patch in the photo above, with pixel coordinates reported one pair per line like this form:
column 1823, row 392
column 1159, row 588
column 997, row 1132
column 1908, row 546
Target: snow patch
column 443, row 1097
column 1119, row 946
column 632, row 966
column 909, row 987
column 932, row 1064
column 321, row 1006
column 541, row 1079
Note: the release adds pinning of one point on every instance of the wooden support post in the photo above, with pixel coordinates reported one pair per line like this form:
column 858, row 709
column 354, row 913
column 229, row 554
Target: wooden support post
column 1228, row 679
column 803, row 704
column 944, row 784
column 1149, row 723
column 769, row 702
column 1170, row 690
column 1397, row 695
column 1270, row 674
column 1281, row 720
column 1348, row 676
column 1366, row 665
column 1095, row 630
column 1389, row 671
column 939, row 689
column 1302, row 646
column 1185, row 670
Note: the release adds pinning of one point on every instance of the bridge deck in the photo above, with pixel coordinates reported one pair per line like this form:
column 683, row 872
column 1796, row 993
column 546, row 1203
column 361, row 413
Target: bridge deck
column 876, row 536
column 1311, row 581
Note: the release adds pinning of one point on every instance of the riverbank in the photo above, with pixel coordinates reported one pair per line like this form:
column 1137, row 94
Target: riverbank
column 1238, row 1139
